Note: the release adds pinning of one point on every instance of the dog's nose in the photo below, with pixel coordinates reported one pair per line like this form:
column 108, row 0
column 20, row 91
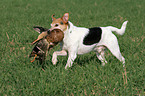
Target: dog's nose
column 48, row 31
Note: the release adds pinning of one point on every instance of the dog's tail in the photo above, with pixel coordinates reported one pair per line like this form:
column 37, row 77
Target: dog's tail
column 119, row 31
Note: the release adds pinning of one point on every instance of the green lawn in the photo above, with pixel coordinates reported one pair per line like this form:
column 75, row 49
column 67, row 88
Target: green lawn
column 19, row 77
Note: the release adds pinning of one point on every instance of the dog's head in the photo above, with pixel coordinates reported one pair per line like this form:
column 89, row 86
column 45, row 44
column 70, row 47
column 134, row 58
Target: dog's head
column 60, row 23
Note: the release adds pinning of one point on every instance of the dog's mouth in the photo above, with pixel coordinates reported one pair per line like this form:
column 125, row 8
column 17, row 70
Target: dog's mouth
column 55, row 28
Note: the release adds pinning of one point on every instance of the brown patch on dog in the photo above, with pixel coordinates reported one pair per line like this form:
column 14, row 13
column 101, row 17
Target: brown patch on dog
column 60, row 23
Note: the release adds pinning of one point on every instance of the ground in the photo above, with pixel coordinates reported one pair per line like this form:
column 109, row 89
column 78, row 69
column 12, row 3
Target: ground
column 18, row 76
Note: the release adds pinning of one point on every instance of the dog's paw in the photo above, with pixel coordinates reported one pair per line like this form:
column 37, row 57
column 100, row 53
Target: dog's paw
column 103, row 63
column 54, row 59
column 66, row 67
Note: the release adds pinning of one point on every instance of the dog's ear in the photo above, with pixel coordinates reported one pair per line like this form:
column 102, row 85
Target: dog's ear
column 53, row 17
column 65, row 17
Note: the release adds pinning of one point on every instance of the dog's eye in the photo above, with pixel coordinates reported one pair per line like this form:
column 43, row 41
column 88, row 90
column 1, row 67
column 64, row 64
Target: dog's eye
column 56, row 25
column 61, row 23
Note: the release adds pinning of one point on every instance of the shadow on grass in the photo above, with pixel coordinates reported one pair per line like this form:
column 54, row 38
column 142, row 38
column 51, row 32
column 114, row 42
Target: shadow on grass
column 82, row 60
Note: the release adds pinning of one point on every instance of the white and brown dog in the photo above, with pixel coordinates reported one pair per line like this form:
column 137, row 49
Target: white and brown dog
column 79, row 40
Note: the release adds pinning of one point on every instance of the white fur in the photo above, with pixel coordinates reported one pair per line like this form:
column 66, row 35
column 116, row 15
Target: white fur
column 73, row 44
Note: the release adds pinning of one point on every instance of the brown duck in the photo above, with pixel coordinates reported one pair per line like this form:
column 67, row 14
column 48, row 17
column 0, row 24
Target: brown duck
column 46, row 40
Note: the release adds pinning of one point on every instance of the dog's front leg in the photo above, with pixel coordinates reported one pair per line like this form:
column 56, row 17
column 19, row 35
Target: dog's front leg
column 71, row 58
column 57, row 53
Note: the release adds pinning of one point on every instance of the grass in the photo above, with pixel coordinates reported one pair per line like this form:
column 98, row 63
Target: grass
column 19, row 77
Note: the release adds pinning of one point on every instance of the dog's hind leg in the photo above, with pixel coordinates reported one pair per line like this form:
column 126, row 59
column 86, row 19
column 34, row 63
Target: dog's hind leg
column 114, row 48
column 100, row 52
